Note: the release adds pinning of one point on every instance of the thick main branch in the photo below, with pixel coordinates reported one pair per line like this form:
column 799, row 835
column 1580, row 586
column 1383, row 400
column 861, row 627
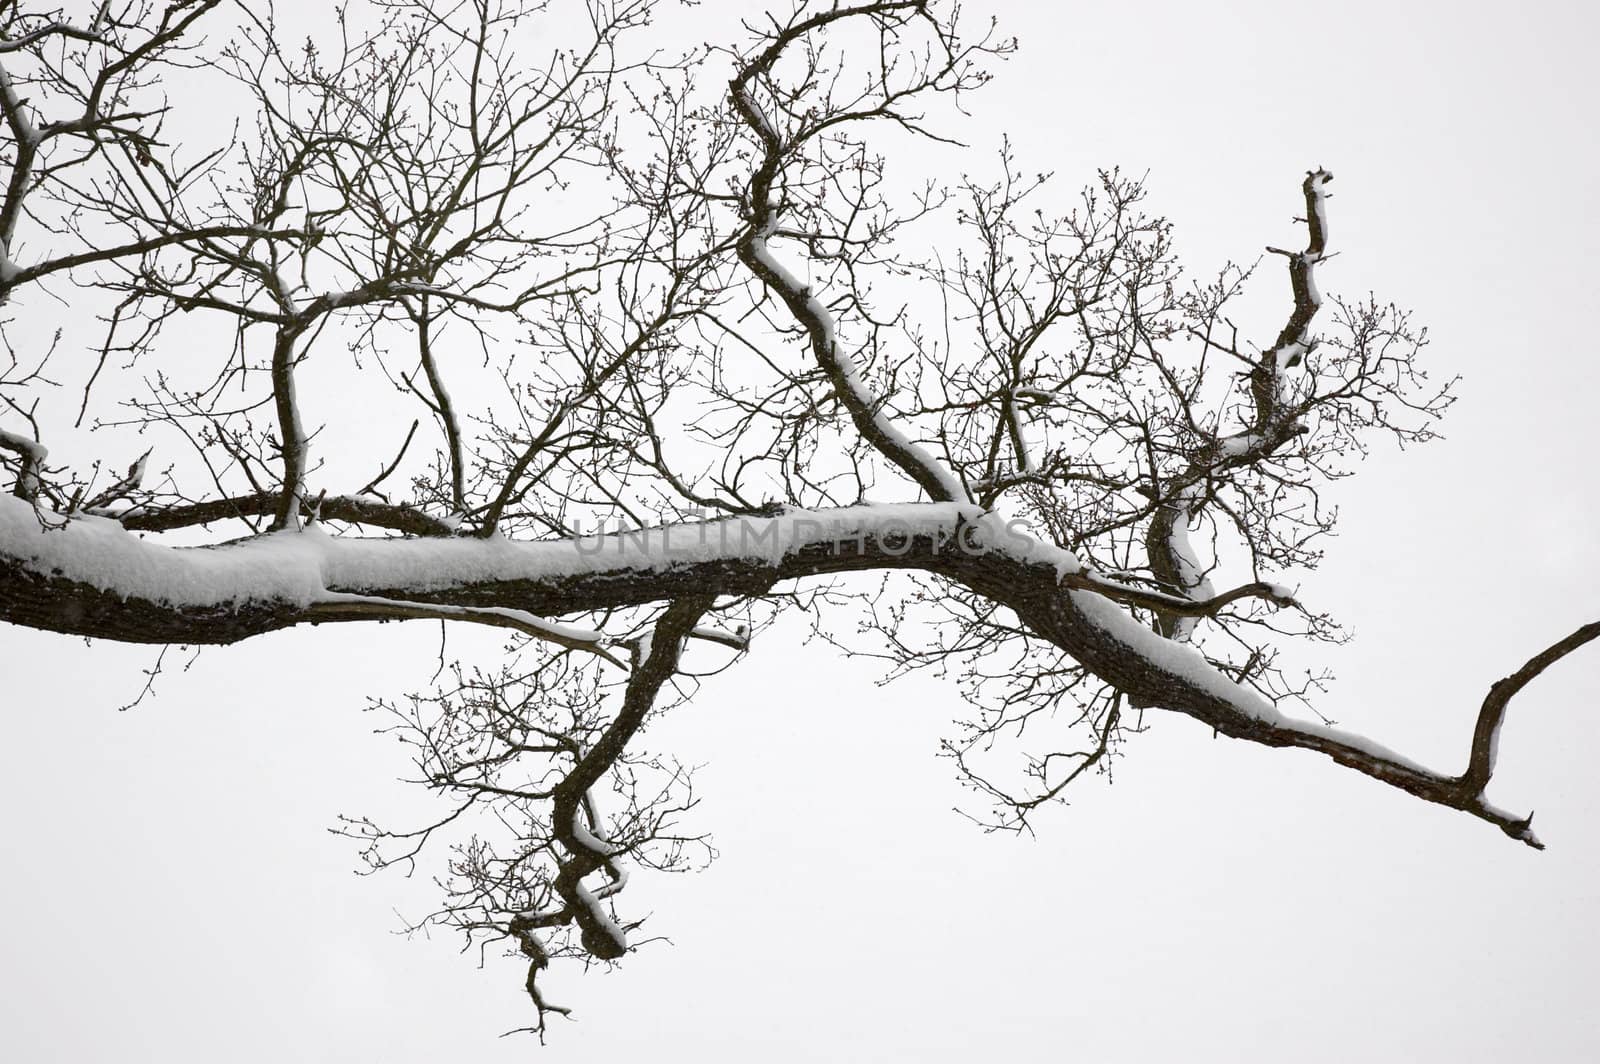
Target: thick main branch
column 94, row 578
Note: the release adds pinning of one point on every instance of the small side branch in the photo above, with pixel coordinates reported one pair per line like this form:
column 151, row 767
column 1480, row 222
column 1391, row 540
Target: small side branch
column 738, row 639
column 1117, row 591
column 355, row 509
column 337, row 606
column 443, row 406
column 292, row 438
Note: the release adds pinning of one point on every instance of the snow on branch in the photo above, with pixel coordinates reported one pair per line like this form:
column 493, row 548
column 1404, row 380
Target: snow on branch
column 764, row 200
column 1270, row 380
column 31, row 454
column 298, row 568
column 1173, row 557
column 219, row 594
column 575, row 817
column 581, row 233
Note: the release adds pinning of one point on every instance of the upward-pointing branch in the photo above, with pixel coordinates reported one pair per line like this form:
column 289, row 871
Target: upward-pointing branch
column 765, row 206
column 1276, row 421
column 1486, row 736
column 291, row 430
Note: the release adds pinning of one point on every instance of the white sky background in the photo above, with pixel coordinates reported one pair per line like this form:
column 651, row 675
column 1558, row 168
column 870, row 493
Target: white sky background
column 172, row 894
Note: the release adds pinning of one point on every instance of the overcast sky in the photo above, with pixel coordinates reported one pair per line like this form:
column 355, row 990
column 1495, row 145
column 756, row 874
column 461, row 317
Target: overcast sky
column 172, row 893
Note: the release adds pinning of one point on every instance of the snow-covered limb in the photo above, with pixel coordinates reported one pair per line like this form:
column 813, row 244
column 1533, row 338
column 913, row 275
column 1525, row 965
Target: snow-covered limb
column 1039, row 396
column 600, row 934
column 286, row 572
column 15, row 109
column 129, row 482
column 1114, row 444
column 576, row 823
column 1270, row 380
column 1018, row 441
column 1173, row 558
column 1117, row 444
column 764, row 201
column 32, row 454
column 93, row 577
column 875, row 426
column 738, row 639
column 1161, row 672
column 25, row 142
column 588, row 831
column 24, row 154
